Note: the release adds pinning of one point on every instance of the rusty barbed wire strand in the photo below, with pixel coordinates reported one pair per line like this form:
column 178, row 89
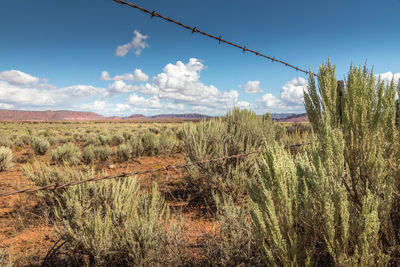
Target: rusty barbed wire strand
column 128, row 174
column 218, row 38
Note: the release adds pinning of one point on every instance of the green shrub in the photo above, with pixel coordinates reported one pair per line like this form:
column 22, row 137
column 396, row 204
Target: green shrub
column 135, row 143
column 240, row 131
column 66, row 154
column 150, row 143
column 167, row 142
column 103, row 140
column 338, row 204
column 102, row 153
column 41, row 174
column 88, row 154
column 112, row 223
column 124, row 153
column 6, row 158
column 234, row 244
column 116, row 140
column 5, row 140
column 40, row 145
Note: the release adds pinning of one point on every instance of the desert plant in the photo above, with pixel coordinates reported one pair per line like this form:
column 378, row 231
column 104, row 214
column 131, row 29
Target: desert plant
column 6, row 158
column 66, row 154
column 135, row 143
column 167, row 142
column 88, row 154
column 124, row 153
column 5, row 140
column 150, row 143
column 3, row 261
column 240, row 131
column 116, row 139
column 40, row 145
column 41, row 174
column 113, row 223
column 102, row 153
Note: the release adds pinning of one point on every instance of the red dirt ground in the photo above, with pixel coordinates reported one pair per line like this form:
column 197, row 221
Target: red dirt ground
column 28, row 236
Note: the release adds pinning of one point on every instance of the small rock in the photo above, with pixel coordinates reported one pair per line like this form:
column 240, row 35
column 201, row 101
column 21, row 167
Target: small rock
column 112, row 166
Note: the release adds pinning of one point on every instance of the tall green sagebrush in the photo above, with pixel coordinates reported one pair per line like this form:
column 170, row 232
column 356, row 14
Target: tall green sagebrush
column 240, row 131
column 338, row 204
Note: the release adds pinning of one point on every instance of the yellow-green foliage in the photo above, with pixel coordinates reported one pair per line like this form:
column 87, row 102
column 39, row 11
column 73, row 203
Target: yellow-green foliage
column 6, row 158
column 3, row 261
column 40, row 145
column 150, row 143
column 66, row 154
column 124, row 153
column 112, row 223
column 88, row 154
column 338, row 204
column 240, row 131
column 41, row 174
column 102, row 153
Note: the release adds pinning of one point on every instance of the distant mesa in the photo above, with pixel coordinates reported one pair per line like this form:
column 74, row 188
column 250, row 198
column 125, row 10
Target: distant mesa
column 68, row 115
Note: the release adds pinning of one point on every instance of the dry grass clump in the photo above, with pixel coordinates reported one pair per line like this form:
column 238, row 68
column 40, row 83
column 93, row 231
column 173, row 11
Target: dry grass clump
column 6, row 158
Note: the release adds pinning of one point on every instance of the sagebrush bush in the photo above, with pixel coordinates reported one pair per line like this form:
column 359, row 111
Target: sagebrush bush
column 116, row 139
column 6, row 158
column 112, row 223
column 150, row 143
column 338, row 204
column 240, row 131
column 234, row 244
column 167, row 142
column 41, row 174
column 135, row 143
column 88, row 154
column 5, row 140
column 102, row 153
column 40, row 145
column 66, row 154
column 124, row 153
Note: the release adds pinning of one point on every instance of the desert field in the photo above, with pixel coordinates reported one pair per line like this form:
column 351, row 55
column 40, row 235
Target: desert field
column 188, row 218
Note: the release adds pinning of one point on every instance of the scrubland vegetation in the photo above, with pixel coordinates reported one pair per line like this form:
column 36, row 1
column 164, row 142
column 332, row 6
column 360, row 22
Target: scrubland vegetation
column 334, row 202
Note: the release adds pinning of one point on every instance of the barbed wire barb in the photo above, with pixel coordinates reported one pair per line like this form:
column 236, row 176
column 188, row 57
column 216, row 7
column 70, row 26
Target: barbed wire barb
column 219, row 39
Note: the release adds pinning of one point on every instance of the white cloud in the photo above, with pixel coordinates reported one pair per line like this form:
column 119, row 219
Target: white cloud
column 6, row 106
column 23, row 91
column 244, row 105
column 137, row 76
column 388, row 76
column 292, row 92
column 17, row 77
column 137, row 43
column 97, row 105
column 137, row 101
column 252, row 87
column 290, row 99
column 181, row 83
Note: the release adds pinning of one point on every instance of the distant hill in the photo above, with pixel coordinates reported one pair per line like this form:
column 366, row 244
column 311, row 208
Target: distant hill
column 295, row 118
column 48, row 115
column 68, row 115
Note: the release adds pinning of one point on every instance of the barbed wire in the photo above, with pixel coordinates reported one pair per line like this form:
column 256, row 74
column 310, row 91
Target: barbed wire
column 218, row 38
column 128, row 174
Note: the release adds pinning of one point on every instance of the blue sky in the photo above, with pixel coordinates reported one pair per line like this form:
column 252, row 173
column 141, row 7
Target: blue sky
column 100, row 56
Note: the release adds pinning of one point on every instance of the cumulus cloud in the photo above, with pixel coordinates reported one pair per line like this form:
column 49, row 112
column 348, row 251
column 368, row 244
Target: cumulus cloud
column 181, row 83
column 97, row 105
column 17, row 77
column 22, row 90
column 290, row 99
column 137, row 44
column 252, row 87
column 137, row 76
column 389, row 76
column 292, row 92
